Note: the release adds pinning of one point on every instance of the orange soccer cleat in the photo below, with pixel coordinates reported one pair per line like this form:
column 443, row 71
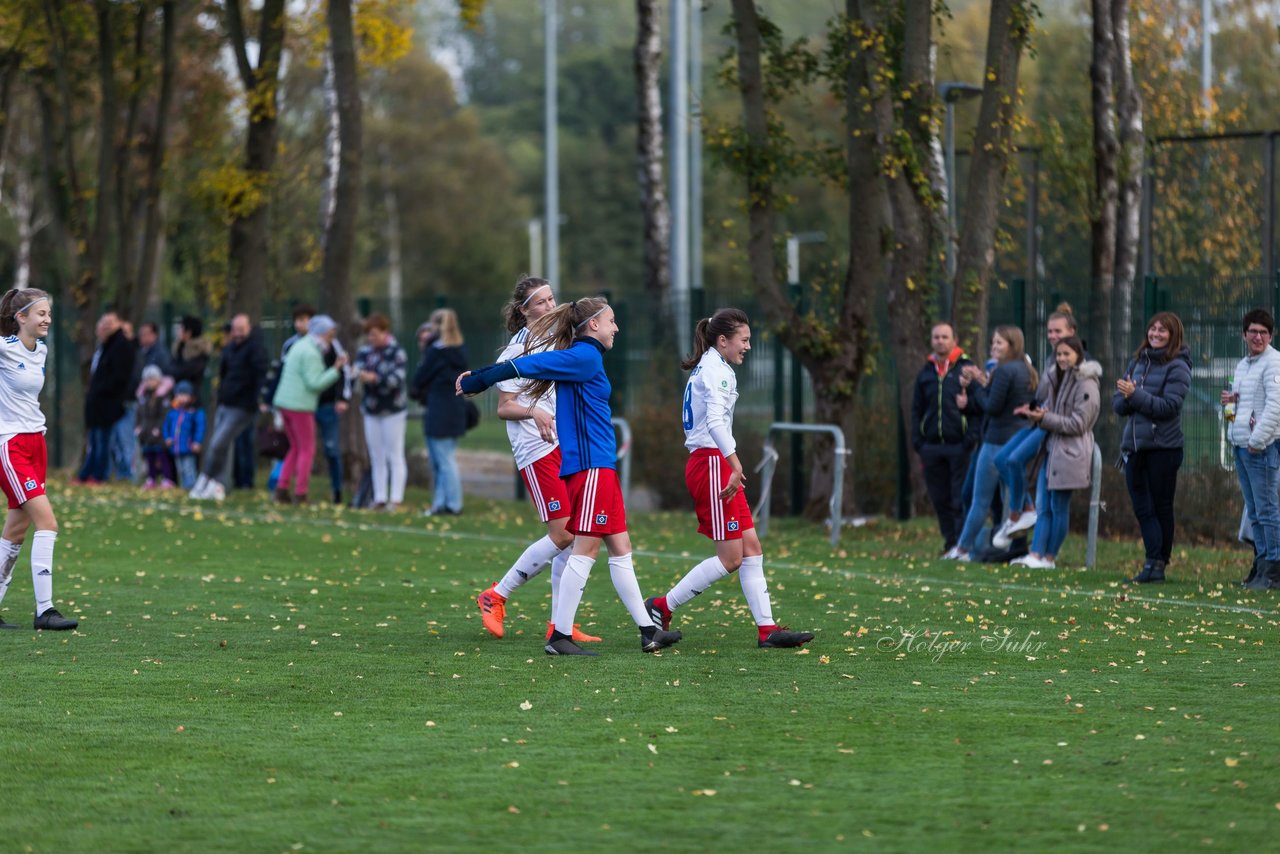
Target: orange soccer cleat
column 493, row 610
column 579, row 636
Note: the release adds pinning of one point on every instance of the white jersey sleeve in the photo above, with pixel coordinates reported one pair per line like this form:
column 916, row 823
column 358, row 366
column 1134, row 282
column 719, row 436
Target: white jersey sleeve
column 709, row 399
column 527, row 444
column 21, row 379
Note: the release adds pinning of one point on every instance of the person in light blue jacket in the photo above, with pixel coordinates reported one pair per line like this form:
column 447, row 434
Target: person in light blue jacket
column 302, row 378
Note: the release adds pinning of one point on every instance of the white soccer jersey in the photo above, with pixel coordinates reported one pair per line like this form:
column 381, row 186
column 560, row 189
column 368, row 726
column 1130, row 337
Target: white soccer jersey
column 527, row 443
column 709, row 398
column 21, row 379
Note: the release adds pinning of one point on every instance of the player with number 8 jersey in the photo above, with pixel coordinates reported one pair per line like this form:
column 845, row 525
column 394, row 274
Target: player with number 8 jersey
column 715, row 480
column 25, row 317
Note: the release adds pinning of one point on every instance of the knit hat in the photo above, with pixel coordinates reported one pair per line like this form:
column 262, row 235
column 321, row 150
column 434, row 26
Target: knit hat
column 151, row 372
column 320, row 324
column 184, row 387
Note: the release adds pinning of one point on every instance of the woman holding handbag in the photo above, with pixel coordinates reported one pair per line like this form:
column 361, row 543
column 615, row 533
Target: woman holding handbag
column 443, row 358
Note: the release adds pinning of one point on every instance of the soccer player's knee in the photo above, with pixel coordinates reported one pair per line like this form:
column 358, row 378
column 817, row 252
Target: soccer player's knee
column 731, row 563
column 562, row 538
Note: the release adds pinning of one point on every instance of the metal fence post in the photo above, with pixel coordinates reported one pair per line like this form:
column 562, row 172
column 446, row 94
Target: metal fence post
column 1095, row 507
column 797, row 416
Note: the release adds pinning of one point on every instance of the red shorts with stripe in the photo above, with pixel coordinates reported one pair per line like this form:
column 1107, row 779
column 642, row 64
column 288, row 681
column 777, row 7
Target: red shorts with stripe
column 23, row 462
column 597, row 503
column 546, row 490
column 706, row 473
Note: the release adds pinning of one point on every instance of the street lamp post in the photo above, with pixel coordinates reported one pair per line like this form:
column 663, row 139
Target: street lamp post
column 951, row 92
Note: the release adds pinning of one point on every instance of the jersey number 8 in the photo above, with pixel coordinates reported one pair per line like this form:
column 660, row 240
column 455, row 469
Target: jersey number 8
column 687, row 410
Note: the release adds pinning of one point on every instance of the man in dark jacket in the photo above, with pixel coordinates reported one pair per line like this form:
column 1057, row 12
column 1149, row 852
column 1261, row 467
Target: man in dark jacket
column 240, row 376
column 942, row 432
column 104, row 399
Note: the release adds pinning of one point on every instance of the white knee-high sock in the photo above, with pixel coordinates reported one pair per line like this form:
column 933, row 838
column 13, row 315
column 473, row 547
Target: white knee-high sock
column 695, row 581
column 756, row 589
column 8, row 560
column 42, row 569
column 557, row 571
column 534, row 560
column 574, row 580
column 623, row 574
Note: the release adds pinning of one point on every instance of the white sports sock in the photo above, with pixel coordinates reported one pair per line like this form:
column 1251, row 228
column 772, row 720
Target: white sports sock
column 42, row 569
column 695, row 581
column 8, row 559
column 534, row 560
column 557, row 570
column 756, row 589
column 576, row 571
column 623, row 574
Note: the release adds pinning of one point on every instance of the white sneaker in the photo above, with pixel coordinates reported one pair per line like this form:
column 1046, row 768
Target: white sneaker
column 950, row 554
column 197, row 491
column 963, row 557
column 1019, row 561
column 1000, row 539
column 1039, row 563
column 216, row 491
column 1024, row 522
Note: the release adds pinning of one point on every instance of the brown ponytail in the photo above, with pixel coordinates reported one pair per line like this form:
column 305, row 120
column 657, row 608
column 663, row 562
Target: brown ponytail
column 556, row 330
column 725, row 321
column 513, row 312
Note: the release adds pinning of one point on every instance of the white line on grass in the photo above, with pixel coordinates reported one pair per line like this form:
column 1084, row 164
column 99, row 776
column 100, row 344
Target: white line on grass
column 993, row 584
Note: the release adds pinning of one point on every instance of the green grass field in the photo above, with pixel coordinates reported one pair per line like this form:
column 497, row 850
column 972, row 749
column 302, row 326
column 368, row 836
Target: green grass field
column 250, row 679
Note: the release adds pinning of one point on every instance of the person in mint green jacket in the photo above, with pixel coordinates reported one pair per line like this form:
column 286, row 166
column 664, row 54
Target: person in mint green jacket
column 302, row 378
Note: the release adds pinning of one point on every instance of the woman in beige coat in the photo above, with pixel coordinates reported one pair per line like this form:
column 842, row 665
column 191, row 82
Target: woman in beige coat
column 1068, row 416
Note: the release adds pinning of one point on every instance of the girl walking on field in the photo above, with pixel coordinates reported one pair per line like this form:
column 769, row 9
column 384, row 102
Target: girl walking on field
column 531, row 428
column 25, row 316
column 577, row 336
column 715, row 480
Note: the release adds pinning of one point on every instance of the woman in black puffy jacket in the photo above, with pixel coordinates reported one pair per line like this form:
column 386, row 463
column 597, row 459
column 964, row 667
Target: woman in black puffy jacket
column 1149, row 396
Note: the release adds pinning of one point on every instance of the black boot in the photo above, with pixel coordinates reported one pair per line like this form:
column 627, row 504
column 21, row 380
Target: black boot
column 1253, row 570
column 337, row 496
column 1152, row 573
column 1268, row 577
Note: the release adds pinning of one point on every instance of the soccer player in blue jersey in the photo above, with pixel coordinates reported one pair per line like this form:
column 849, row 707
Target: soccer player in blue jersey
column 576, row 336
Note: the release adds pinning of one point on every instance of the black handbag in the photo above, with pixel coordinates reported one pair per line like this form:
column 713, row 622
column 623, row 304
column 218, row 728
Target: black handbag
column 473, row 414
column 272, row 443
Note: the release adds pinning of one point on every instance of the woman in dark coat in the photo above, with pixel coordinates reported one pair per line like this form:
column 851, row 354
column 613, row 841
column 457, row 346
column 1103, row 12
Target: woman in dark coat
column 443, row 358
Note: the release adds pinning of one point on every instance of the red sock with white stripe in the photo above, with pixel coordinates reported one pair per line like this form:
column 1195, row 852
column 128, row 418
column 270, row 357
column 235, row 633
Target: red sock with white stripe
column 756, row 589
column 572, row 584
column 534, row 559
column 623, row 574
column 695, row 581
column 8, row 560
column 42, row 569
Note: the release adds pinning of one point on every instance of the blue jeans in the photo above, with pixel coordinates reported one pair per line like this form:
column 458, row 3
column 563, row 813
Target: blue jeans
column 1012, row 462
column 327, row 421
column 123, row 445
column 985, row 482
column 1259, row 476
column 444, row 470
column 1053, row 516
column 97, row 454
column 186, row 470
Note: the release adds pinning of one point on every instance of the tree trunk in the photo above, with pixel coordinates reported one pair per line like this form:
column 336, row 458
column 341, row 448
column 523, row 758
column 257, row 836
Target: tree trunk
column 395, row 268
column 1106, row 155
column 1007, row 36
column 127, row 207
column 1132, row 156
column 657, row 214
column 102, row 212
column 248, row 243
column 153, row 220
column 340, row 236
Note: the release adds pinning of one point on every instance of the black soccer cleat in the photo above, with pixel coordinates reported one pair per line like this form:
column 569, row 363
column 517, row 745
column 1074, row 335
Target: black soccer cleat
column 52, row 621
column 782, row 638
column 661, row 616
column 11, row 626
column 565, row 646
column 653, row 638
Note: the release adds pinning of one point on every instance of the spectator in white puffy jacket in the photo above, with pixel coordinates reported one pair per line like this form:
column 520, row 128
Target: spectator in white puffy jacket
column 1255, row 391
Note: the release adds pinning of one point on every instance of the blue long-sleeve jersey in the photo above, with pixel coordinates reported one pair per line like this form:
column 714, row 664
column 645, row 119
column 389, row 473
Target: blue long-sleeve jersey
column 583, row 416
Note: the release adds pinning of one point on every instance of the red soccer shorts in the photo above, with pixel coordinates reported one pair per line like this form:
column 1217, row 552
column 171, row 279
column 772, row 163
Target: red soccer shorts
column 706, row 473
column 597, row 503
column 546, row 490
column 24, row 461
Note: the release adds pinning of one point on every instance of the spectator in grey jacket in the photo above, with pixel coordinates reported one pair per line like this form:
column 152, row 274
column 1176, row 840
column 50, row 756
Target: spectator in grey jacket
column 1149, row 396
column 1255, row 392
